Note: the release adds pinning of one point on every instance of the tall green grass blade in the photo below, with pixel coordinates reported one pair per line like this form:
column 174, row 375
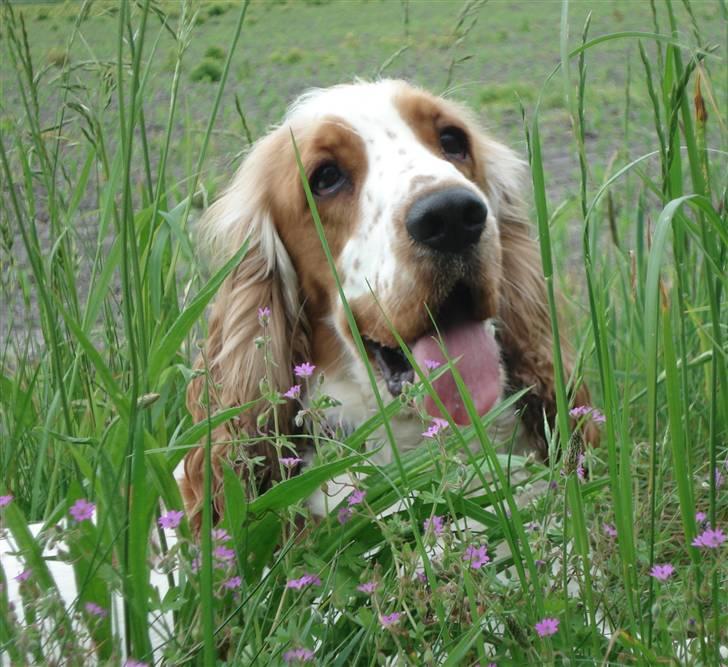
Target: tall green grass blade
column 167, row 347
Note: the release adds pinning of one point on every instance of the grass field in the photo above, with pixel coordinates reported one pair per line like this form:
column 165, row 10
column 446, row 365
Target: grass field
column 119, row 123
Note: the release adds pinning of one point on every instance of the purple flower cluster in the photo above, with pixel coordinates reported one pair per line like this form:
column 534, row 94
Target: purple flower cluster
column 5, row 500
column 95, row 610
column 304, row 370
column 547, row 627
column 290, row 461
column 171, row 519
column 355, row 497
column 476, row 556
column 220, row 535
column 303, row 582
column 580, row 469
column 263, row 316
column 388, row 620
column 298, row 655
column 294, row 391
column 434, row 525
column 587, row 411
column 662, row 572
column 82, row 510
column 710, row 538
column 435, row 427
column 367, row 587
column 223, row 553
column 609, row 530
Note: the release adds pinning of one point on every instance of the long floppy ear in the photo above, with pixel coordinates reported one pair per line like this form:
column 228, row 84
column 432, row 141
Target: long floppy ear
column 233, row 363
column 525, row 331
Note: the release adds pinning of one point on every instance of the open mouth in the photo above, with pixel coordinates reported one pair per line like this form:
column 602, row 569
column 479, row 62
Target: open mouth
column 466, row 338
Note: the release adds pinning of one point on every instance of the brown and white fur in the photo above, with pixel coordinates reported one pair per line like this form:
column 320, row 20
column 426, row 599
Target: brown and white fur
column 393, row 145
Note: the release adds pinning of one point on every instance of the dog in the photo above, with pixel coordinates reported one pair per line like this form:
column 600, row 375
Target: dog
column 423, row 215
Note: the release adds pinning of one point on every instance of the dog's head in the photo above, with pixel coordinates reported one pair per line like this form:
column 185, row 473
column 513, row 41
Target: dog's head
column 421, row 212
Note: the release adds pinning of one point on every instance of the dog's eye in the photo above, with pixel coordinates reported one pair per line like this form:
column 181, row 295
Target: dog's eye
column 454, row 143
column 327, row 179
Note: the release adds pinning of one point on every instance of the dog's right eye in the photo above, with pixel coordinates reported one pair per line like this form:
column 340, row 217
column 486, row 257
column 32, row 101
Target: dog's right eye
column 327, row 179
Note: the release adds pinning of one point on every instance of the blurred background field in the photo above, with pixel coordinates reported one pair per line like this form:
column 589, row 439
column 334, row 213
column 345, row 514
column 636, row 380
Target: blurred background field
column 494, row 56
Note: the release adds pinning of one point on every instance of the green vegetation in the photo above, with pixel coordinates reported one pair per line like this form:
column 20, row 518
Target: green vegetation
column 208, row 70
column 105, row 154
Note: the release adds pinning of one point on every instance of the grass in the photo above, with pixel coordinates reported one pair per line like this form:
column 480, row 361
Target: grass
column 104, row 156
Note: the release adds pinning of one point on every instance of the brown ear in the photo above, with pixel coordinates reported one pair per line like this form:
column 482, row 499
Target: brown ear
column 233, row 362
column 525, row 329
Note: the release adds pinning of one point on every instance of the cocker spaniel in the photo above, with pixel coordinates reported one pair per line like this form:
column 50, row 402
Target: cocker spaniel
column 422, row 214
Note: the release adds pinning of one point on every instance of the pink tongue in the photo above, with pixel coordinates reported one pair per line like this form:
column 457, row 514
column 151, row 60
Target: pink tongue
column 479, row 366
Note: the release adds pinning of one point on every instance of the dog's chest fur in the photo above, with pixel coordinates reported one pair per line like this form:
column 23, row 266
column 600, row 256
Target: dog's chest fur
column 358, row 404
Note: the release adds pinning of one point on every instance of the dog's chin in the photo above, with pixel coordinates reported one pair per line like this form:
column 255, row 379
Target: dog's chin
column 458, row 331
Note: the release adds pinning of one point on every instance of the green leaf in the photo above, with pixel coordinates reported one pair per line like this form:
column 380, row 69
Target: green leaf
column 168, row 346
column 292, row 490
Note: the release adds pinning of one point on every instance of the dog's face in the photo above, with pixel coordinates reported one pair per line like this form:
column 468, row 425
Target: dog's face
column 408, row 191
column 421, row 212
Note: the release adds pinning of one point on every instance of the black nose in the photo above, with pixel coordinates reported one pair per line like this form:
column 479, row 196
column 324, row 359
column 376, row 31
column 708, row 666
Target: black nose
column 447, row 220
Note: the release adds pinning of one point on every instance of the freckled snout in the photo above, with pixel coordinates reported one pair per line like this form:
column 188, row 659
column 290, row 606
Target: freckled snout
column 449, row 220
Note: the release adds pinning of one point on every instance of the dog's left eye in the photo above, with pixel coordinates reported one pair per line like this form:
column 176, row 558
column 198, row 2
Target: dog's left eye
column 454, row 143
column 327, row 179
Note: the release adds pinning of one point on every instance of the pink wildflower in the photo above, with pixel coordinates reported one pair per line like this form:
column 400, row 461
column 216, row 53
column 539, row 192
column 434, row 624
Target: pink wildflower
column 662, row 572
column 232, row 583
column 24, row 575
column 344, row 514
column 94, row 609
column 298, row 655
column 431, row 364
column 220, row 535
column 223, row 553
column 580, row 469
column 82, row 510
column 304, row 370
column 367, row 587
column 435, row 427
column 290, row 461
column 710, row 538
column 434, row 525
column 389, row 620
column 587, row 412
column 355, row 497
column 171, row 519
column 130, row 662
column 547, row 627
column 294, row 391
column 302, row 582
column 700, row 517
column 264, row 315
column 476, row 556
column 609, row 530
column 6, row 500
